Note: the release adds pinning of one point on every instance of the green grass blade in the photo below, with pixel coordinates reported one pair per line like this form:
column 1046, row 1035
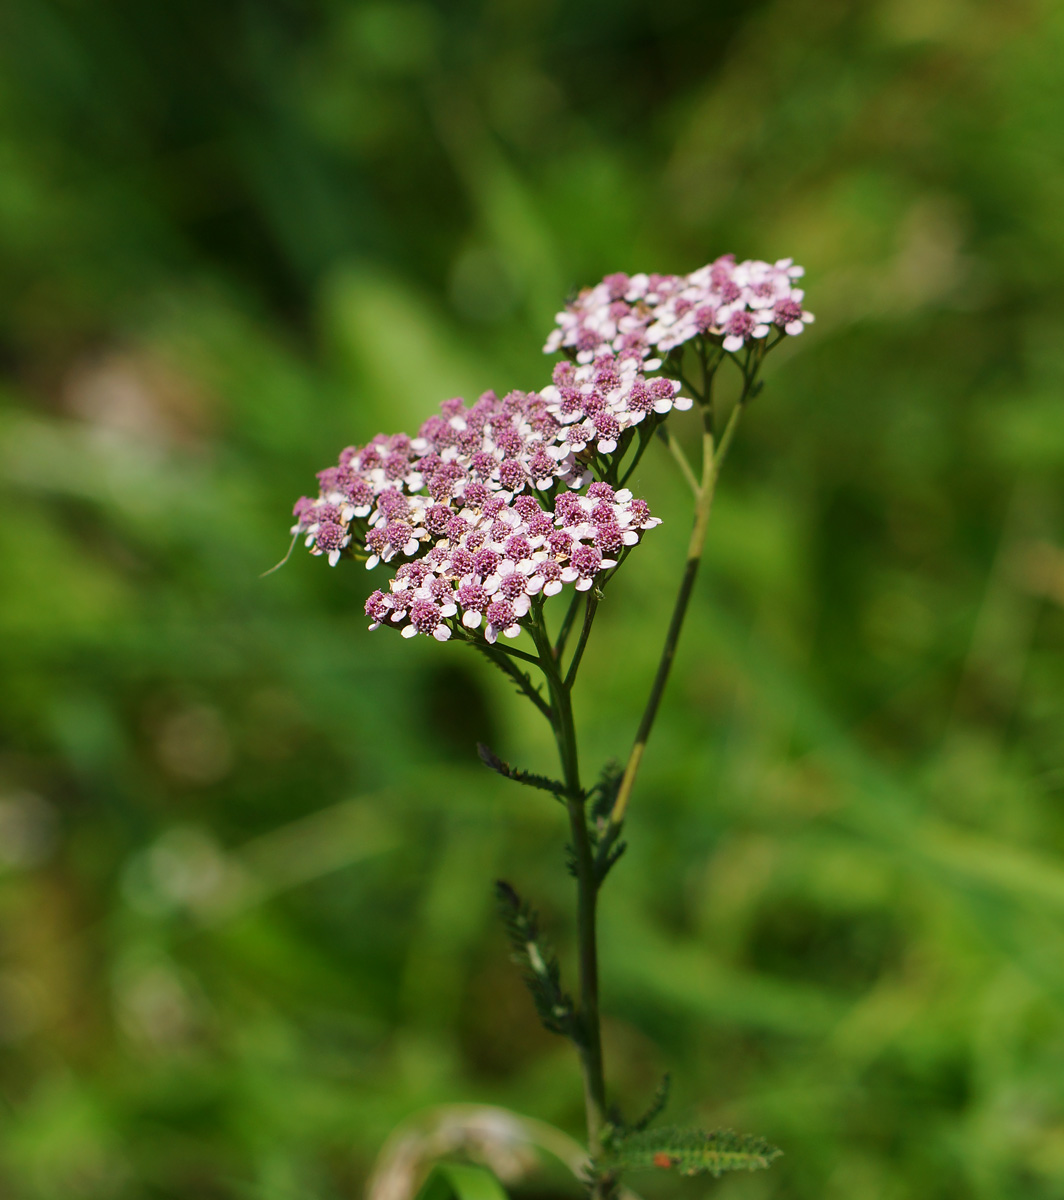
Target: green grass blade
column 461, row 1181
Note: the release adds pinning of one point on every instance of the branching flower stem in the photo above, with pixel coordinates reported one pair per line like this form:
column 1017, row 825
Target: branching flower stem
column 501, row 657
column 591, row 859
column 713, row 455
column 585, row 633
column 676, row 450
column 641, row 449
column 567, row 626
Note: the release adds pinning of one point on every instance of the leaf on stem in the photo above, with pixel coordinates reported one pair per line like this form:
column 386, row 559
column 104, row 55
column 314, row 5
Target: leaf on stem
column 604, row 837
column 688, row 1151
column 619, row 1128
column 571, row 864
column 538, row 963
column 604, row 791
column 545, row 784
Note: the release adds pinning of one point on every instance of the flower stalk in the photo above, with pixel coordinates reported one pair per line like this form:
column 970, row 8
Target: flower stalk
column 713, row 456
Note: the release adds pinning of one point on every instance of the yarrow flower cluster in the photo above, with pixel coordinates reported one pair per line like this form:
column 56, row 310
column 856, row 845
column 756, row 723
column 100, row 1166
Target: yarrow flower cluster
column 494, row 504
column 646, row 316
column 481, row 509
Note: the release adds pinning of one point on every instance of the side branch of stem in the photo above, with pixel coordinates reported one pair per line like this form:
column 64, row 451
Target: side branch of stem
column 502, row 658
column 712, row 458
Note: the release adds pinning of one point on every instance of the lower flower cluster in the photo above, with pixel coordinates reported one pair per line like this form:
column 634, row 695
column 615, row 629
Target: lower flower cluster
column 504, row 556
column 483, row 509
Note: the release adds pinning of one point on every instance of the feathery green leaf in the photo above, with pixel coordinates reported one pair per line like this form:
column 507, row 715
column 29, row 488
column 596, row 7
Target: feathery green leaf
column 490, row 759
column 538, row 963
column 688, row 1151
column 604, row 791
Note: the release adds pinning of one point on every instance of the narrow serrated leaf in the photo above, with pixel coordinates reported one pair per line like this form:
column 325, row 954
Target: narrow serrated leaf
column 490, row 759
column 687, row 1151
column 604, row 791
column 538, row 963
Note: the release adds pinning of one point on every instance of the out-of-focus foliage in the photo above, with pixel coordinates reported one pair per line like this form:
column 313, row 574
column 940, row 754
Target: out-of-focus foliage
column 246, row 849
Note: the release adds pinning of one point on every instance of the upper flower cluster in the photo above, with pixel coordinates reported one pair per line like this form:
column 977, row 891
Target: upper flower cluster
column 481, row 507
column 646, row 316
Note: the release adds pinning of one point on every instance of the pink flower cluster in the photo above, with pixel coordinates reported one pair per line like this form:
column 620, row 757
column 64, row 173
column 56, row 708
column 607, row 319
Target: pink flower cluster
column 482, row 506
column 646, row 316
column 485, row 509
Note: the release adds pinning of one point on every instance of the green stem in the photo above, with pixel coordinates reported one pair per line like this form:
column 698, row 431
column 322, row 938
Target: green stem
column 590, row 1045
column 712, row 459
column 676, row 450
column 513, row 652
column 566, row 627
column 644, row 441
column 578, row 653
column 500, row 658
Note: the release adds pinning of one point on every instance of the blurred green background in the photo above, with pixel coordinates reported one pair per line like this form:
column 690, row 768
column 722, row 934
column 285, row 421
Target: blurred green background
column 245, row 847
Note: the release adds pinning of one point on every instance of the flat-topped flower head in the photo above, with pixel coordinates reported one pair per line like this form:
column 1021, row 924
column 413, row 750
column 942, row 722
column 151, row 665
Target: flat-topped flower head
column 725, row 301
column 481, row 513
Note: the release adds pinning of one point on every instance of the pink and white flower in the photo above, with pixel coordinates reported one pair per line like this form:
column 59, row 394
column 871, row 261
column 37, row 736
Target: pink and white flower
column 654, row 314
